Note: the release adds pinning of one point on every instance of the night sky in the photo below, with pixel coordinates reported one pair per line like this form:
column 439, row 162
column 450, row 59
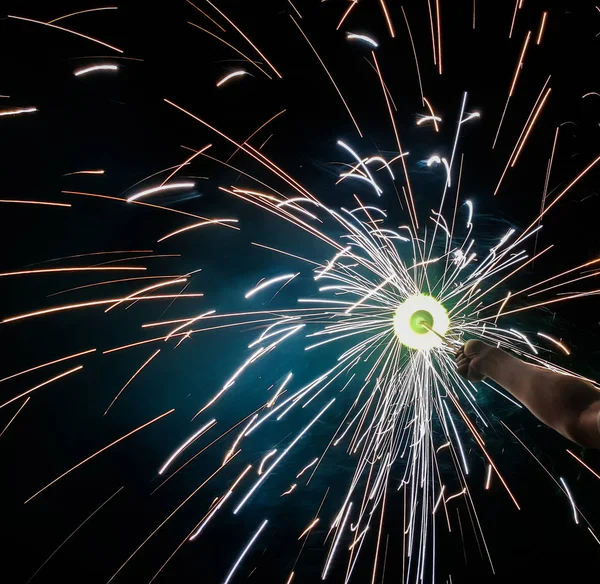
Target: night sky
column 119, row 122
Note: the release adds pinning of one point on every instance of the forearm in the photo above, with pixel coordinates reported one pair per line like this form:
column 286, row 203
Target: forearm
column 565, row 403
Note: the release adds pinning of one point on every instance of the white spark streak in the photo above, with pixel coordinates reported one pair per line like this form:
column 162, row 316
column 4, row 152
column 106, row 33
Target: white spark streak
column 575, row 517
column 280, row 458
column 361, row 37
column 169, row 187
column 562, row 346
column 185, row 444
column 245, row 551
column 267, row 283
column 86, row 70
column 17, row 111
column 231, row 76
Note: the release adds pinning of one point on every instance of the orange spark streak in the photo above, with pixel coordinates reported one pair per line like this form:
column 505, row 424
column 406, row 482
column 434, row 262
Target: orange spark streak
column 36, row 203
column 537, row 113
column 512, row 24
column 48, row 364
column 415, row 54
column 547, row 302
column 246, row 38
column 48, row 381
column 207, row 16
column 81, row 12
column 130, row 380
column 222, row 222
column 329, row 75
column 439, row 32
column 519, row 64
column 535, row 109
column 84, row 172
column 513, row 84
column 232, row 47
column 387, row 18
column 186, row 161
column 353, row 3
column 432, row 31
column 94, row 303
column 89, row 38
column 256, row 132
column 432, row 114
column 147, row 289
column 476, row 435
column 99, row 452
column 108, row 282
column 12, row 419
column 292, row 5
column 581, row 461
column 132, row 203
column 84, row 269
column 562, row 194
column 542, row 26
column 409, row 200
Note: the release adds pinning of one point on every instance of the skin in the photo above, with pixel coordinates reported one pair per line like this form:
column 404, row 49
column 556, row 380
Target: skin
column 567, row 404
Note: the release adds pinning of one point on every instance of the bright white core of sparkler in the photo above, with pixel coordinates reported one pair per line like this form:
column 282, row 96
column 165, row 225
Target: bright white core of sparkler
column 409, row 318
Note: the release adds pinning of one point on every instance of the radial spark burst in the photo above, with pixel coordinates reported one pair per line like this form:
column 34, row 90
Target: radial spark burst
column 388, row 306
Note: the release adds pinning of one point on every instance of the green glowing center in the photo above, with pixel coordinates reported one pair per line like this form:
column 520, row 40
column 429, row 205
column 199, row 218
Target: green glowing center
column 411, row 317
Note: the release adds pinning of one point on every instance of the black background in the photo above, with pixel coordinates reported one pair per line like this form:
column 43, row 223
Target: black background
column 119, row 122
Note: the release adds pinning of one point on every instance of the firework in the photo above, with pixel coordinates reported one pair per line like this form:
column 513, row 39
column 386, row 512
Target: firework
column 387, row 305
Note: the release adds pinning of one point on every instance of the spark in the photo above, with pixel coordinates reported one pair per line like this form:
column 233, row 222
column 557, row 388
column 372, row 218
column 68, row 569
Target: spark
column 130, row 380
column 309, row 465
column 280, row 458
column 18, row 111
column 82, row 12
column 246, row 39
column 43, row 384
column 245, row 551
column 562, row 346
column 100, row 452
column 388, row 20
column 264, row 460
column 223, row 222
column 84, row 172
column 464, row 490
column 75, row 269
column 269, row 282
column 93, row 303
column 469, row 205
column 225, row 79
column 542, row 26
column 144, row 193
column 309, row 528
column 189, row 322
column 330, row 77
column 48, row 364
column 336, row 542
column 16, row 414
column 361, row 37
column 93, row 68
column 488, row 479
column 575, row 517
column 74, row 532
column 584, row 464
column 83, row 36
column 185, row 444
column 427, row 119
column 290, row 490
column 254, row 63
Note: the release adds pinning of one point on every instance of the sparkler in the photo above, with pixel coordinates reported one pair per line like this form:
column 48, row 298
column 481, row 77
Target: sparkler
column 393, row 302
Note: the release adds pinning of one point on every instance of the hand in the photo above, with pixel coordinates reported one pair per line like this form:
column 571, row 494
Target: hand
column 471, row 359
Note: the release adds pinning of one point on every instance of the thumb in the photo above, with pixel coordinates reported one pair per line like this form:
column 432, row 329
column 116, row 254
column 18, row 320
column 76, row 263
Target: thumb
column 473, row 347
